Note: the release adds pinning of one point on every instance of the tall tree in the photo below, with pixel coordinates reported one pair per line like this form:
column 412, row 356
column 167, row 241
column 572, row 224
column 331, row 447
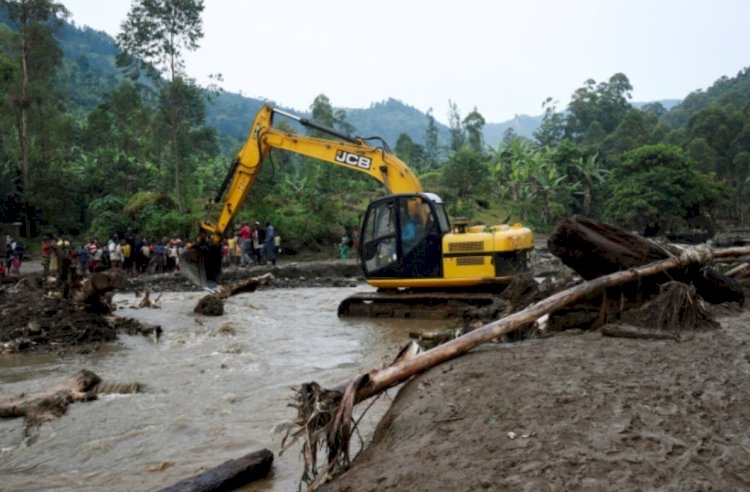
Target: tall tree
column 464, row 178
column 116, row 139
column 597, row 109
column 454, row 127
column 473, row 125
column 552, row 129
column 410, row 152
column 37, row 56
column 155, row 34
column 342, row 123
column 322, row 112
column 431, row 141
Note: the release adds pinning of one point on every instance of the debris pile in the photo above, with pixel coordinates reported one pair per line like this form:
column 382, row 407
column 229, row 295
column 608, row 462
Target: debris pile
column 36, row 316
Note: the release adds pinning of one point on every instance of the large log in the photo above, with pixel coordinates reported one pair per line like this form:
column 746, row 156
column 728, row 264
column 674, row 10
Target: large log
column 594, row 249
column 49, row 404
column 230, row 475
column 379, row 380
column 212, row 304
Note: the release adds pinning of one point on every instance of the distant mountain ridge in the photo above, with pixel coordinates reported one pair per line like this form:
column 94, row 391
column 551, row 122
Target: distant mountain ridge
column 90, row 63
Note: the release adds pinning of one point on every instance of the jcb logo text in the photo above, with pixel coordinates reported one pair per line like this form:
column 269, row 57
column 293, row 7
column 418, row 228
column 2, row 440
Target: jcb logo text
column 353, row 159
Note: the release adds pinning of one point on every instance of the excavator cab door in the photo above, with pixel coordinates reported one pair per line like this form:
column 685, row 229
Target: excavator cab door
column 402, row 237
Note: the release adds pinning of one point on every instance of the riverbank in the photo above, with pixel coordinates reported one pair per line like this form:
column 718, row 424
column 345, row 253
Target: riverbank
column 576, row 411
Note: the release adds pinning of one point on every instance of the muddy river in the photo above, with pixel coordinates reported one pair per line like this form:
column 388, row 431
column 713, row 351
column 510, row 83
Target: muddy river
column 216, row 389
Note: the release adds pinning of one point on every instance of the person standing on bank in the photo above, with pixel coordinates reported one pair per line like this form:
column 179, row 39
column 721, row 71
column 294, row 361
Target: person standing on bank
column 259, row 237
column 269, row 244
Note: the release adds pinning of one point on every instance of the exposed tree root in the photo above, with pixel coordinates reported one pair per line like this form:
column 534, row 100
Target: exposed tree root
column 43, row 406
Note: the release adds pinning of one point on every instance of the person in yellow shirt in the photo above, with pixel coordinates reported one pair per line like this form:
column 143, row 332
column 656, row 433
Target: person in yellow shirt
column 234, row 251
column 127, row 257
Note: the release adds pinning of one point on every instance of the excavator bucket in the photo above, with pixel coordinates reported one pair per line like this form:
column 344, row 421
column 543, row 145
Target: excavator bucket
column 201, row 264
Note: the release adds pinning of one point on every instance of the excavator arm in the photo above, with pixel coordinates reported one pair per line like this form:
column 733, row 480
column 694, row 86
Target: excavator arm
column 348, row 152
column 202, row 264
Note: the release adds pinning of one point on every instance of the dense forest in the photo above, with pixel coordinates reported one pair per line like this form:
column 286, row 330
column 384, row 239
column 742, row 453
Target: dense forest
column 97, row 135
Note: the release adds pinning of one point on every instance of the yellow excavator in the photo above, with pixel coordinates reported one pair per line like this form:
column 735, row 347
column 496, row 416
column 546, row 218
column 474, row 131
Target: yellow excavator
column 409, row 250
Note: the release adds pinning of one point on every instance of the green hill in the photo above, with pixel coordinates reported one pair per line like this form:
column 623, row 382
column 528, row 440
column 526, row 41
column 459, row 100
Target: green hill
column 90, row 73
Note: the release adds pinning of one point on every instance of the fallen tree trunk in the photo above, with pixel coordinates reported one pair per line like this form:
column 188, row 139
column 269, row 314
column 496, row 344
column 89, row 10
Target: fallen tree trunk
column 378, row 380
column 248, row 285
column 593, row 249
column 212, row 304
column 43, row 406
column 96, row 291
column 229, row 475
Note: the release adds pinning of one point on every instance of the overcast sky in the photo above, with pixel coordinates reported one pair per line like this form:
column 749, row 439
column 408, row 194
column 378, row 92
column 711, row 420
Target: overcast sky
column 503, row 57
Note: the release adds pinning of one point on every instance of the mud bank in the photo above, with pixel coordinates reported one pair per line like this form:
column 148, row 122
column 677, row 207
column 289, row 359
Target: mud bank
column 331, row 273
column 576, row 411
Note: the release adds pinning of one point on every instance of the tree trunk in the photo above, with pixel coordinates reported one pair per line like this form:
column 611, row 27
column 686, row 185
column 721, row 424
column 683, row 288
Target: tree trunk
column 230, row 475
column 212, row 305
column 593, row 249
column 380, row 380
column 95, row 291
column 49, row 404
column 24, row 130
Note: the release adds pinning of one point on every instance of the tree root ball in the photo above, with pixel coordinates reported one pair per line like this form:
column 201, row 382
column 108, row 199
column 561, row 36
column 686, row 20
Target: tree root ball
column 210, row 305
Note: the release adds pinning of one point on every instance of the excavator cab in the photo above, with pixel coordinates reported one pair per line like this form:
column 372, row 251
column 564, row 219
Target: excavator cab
column 402, row 235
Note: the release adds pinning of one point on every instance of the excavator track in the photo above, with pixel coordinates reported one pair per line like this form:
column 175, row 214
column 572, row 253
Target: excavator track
column 411, row 304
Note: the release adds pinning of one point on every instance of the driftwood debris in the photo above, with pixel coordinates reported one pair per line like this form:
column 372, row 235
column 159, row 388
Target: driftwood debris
column 212, row 304
column 147, row 302
column 594, row 249
column 367, row 385
column 43, row 406
column 229, row 475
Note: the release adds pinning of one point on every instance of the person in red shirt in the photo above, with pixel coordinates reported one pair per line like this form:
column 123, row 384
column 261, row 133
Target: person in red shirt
column 245, row 242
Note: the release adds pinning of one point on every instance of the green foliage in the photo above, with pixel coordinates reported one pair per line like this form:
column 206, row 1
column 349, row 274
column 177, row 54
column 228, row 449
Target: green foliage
column 155, row 215
column 552, row 128
column 464, row 178
column 411, row 153
column 658, row 185
column 598, row 106
column 137, row 205
column 108, row 217
column 733, row 91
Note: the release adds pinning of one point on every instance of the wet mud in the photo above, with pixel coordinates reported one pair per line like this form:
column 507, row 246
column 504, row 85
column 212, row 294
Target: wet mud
column 577, row 411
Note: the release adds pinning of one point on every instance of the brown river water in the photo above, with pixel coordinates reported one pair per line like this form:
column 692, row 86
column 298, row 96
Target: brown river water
column 216, row 388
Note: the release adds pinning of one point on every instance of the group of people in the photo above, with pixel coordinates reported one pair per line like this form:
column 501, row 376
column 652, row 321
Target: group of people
column 252, row 244
column 131, row 253
column 135, row 254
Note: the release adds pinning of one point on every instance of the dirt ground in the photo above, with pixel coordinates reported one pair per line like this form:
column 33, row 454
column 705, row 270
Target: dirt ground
column 576, row 411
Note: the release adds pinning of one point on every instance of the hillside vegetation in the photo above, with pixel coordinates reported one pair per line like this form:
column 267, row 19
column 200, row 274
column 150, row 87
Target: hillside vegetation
column 95, row 139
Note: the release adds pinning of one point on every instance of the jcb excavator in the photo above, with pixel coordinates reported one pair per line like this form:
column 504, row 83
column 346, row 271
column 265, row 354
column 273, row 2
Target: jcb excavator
column 409, row 250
